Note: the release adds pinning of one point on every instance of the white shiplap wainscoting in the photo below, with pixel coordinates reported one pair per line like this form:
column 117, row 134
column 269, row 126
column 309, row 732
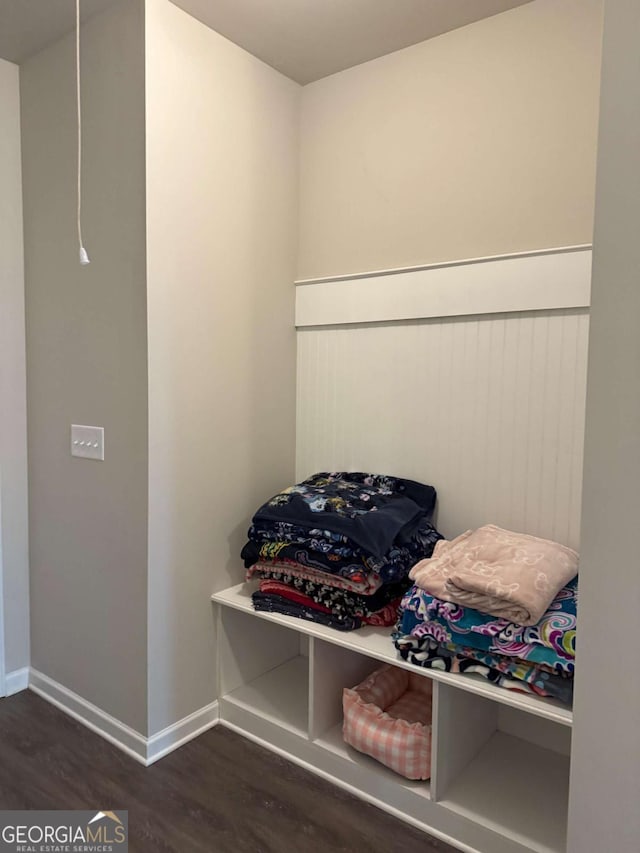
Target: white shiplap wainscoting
column 486, row 406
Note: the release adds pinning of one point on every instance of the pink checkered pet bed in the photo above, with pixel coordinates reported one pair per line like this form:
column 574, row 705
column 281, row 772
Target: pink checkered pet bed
column 388, row 716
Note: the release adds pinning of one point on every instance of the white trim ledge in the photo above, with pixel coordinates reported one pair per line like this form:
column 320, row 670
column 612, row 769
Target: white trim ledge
column 16, row 681
column 559, row 250
column 144, row 750
column 550, row 279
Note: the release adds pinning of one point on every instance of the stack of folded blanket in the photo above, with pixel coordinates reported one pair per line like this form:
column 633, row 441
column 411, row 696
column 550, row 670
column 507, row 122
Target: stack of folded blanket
column 337, row 548
column 497, row 603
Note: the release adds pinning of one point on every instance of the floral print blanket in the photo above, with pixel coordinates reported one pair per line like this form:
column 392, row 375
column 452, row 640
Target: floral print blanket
column 286, row 543
column 370, row 510
column 551, row 642
column 514, row 675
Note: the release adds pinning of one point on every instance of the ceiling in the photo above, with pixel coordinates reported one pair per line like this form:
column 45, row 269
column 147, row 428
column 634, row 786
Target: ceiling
column 304, row 39
column 26, row 26
column 310, row 39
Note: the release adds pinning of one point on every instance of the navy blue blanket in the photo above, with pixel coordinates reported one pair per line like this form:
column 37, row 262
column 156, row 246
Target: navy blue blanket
column 370, row 510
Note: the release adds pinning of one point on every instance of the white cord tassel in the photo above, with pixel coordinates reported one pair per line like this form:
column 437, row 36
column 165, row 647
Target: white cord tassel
column 84, row 257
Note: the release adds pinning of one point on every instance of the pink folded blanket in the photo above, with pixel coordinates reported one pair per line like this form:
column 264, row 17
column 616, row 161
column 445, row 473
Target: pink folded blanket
column 510, row 575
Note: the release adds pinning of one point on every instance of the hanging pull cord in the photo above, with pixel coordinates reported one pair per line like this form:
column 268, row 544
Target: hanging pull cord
column 84, row 257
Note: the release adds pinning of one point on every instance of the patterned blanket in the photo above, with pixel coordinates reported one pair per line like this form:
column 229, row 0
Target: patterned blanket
column 370, row 510
column 514, row 675
column 280, row 542
column 551, row 642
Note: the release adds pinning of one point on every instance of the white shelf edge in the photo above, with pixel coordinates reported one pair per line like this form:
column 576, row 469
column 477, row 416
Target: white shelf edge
column 239, row 598
column 532, row 253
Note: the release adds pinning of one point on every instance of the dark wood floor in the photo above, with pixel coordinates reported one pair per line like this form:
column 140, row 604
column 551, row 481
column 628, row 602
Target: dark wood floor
column 217, row 794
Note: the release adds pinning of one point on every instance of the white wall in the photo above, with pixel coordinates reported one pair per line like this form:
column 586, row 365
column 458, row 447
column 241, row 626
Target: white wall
column 221, row 243
column 86, row 363
column 605, row 772
column 14, row 550
column 479, row 142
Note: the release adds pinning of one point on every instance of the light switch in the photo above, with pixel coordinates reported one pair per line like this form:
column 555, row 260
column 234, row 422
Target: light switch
column 87, row 442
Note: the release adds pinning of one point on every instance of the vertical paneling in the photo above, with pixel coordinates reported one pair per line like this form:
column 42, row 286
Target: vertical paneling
column 488, row 409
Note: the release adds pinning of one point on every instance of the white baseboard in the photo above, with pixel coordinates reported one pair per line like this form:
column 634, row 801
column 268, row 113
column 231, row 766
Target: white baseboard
column 16, row 681
column 184, row 730
column 143, row 749
column 94, row 718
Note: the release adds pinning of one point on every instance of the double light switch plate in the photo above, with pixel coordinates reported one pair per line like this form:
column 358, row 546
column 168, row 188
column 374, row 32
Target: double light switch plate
column 87, row 442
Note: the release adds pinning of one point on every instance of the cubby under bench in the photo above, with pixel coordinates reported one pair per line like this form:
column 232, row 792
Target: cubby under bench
column 500, row 760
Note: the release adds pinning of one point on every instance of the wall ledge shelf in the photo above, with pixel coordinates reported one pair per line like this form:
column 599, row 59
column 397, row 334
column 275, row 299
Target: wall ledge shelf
column 376, row 643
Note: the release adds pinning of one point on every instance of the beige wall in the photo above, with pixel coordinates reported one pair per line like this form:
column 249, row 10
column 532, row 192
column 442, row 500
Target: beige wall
column 221, row 238
column 479, row 142
column 86, row 363
column 14, row 550
column 605, row 771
